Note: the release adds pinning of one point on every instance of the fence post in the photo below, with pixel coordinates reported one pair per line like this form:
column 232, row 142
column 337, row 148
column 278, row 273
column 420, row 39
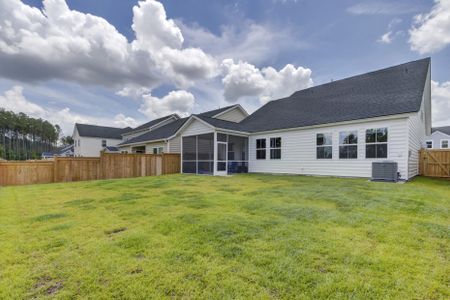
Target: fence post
column 55, row 169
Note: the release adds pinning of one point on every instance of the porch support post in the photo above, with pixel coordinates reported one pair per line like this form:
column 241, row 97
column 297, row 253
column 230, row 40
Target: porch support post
column 215, row 154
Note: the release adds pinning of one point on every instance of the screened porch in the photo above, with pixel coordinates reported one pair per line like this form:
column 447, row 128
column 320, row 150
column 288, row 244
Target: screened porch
column 214, row 154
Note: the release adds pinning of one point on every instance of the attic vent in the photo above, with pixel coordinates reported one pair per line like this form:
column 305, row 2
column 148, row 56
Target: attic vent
column 385, row 171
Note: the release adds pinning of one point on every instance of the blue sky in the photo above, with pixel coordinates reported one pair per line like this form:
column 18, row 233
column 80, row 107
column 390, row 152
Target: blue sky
column 330, row 39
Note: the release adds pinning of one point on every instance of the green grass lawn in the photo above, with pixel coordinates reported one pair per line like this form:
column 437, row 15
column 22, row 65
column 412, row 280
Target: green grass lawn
column 247, row 236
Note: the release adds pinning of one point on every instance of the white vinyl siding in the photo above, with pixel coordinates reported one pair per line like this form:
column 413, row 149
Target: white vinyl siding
column 417, row 140
column 91, row 147
column 149, row 147
column 175, row 145
column 195, row 128
column 436, row 138
column 234, row 115
column 299, row 151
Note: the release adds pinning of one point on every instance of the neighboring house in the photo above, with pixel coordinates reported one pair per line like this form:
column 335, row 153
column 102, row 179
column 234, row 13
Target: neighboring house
column 89, row 140
column 439, row 138
column 152, row 125
column 338, row 128
column 111, row 149
column 165, row 138
column 65, row 151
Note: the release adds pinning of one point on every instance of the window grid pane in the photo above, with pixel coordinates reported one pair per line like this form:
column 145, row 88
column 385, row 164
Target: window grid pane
column 275, row 148
column 376, row 143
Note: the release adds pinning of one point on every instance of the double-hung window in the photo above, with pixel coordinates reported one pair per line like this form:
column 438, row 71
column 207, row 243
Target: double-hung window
column 324, row 145
column 275, row 148
column 261, row 149
column 444, row 144
column 348, row 144
column 376, row 143
column 158, row 150
column 103, row 143
column 429, row 144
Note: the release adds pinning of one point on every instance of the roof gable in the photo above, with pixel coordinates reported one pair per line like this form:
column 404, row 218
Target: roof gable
column 160, row 133
column 152, row 123
column 212, row 113
column 444, row 130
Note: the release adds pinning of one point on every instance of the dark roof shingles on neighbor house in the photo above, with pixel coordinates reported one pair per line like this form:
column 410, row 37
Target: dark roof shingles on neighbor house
column 152, row 123
column 159, row 133
column 445, row 129
column 391, row 91
column 101, row 131
column 214, row 112
column 170, row 129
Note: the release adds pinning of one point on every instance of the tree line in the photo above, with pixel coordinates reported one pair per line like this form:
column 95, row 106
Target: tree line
column 23, row 137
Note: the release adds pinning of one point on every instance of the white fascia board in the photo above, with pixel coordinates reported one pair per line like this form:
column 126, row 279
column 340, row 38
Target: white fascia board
column 393, row 117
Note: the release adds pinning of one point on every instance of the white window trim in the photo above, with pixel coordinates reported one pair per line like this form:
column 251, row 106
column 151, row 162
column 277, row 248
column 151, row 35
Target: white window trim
column 343, row 145
column 432, row 144
column 265, row 149
column 275, row 148
column 448, row 143
column 331, row 145
column 158, row 150
column 376, row 143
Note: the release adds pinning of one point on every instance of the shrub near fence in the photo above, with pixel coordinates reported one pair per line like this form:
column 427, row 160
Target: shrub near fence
column 107, row 166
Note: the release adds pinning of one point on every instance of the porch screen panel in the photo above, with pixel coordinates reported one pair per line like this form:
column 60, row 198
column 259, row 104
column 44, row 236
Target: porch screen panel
column 205, row 153
column 237, row 154
column 190, row 154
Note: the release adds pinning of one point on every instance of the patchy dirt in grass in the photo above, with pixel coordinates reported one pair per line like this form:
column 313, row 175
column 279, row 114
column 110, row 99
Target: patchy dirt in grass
column 115, row 230
column 53, row 289
column 45, row 285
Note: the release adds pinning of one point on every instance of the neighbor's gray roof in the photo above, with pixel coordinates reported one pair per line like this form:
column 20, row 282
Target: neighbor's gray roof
column 159, row 133
column 445, row 129
column 218, row 123
column 152, row 123
column 214, row 112
column 391, row 91
column 100, row 131
column 170, row 129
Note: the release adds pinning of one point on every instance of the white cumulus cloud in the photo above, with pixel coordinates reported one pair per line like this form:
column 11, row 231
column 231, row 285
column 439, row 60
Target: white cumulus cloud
column 120, row 120
column 61, row 43
column 180, row 102
column 246, row 41
column 381, row 8
column 440, row 95
column 431, row 31
column 245, row 80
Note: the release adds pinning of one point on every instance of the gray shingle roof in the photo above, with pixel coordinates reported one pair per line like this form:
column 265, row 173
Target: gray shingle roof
column 444, row 129
column 159, row 133
column 101, row 131
column 153, row 122
column 390, row 91
column 218, row 123
column 215, row 111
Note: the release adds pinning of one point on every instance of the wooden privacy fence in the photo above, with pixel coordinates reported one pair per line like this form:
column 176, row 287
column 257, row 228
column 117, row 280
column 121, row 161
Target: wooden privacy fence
column 107, row 166
column 435, row 162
